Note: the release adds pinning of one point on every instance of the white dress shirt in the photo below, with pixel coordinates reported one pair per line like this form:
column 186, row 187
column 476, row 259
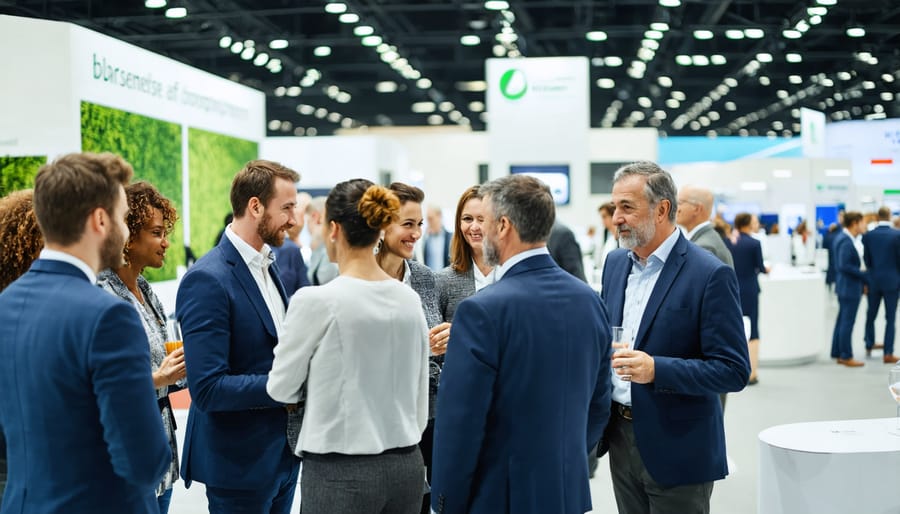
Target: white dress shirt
column 482, row 280
column 641, row 282
column 54, row 255
column 259, row 263
column 362, row 349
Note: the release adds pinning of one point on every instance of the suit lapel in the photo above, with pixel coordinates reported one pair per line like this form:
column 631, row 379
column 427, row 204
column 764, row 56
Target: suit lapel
column 666, row 278
column 275, row 275
column 614, row 287
column 242, row 274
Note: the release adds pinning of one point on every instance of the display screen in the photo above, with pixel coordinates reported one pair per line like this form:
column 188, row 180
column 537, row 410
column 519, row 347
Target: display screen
column 556, row 176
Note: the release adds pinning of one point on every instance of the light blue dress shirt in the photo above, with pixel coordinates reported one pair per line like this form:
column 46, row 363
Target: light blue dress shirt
column 641, row 282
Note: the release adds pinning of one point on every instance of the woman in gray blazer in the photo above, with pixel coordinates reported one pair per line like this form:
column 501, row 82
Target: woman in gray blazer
column 394, row 255
column 468, row 271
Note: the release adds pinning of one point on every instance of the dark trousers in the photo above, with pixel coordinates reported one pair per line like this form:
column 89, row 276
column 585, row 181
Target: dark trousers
column 636, row 491
column 876, row 295
column 426, row 446
column 387, row 483
column 275, row 499
column 842, row 339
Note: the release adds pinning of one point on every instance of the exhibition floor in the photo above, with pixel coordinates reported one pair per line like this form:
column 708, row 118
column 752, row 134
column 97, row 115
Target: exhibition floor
column 818, row 391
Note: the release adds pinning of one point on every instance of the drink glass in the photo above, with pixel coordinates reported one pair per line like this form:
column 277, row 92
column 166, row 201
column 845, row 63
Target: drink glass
column 894, row 388
column 173, row 336
column 622, row 336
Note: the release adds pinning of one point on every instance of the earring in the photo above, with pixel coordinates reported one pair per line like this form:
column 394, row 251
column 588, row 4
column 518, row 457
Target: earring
column 378, row 246
column 333, row 240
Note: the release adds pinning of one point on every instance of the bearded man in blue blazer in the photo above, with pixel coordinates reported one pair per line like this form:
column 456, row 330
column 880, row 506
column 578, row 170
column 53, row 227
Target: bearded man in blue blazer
column 525, row 386
column 666, row 436
column 77, row 403
column 231, row 304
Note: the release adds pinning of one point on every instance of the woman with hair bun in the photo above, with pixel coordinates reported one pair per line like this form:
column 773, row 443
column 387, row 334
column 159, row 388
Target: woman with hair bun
column 359, row 347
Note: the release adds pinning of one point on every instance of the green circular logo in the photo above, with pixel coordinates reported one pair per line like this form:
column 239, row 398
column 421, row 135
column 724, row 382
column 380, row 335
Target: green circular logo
column 513, row 84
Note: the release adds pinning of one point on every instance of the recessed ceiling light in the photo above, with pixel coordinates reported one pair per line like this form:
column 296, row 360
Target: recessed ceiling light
column 278, row 44
column 802, row 26
column 348, row 17
column 664, row 81
column 764, row 80
column 856, row 32
column 679, row 95
column 815, row 20
column 817, row 11
column 248, row 53
column 322, row 51
column 225, row 41
column 363, row 30
column 335, row 7
column 660, row 26
column 700, row 60
column 596, row 35
column 423, row 83
column 423, row 107
column 844, row 75
column 475, row 86
column 730, row 82
column 887, row 96
column 734, row 34
column 791, row 34
column 654, row 34
column 684, row 60
column 387, row 86
column 795, row 79
column 703, row 34
column 446, row 106
column 435, row 119
column 792, row 57
column 670, row 3
column 718, row 59
column 672, row 103
column 154, row 4
column 343, row 97
column 261, row 59
column 826, row 2
column 294, row 91
column 176, row 12
column 650, row 44
column 645, row 102
column 613, row 61
column 764, row 57
column 496, row 5
column 469, row 40
column 755, row 33
column 371, row 41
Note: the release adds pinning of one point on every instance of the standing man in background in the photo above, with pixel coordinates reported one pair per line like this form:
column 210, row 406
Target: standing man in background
column 525, row 385
column 881, row 253
column 437, row 241
column 291, row 266
column 321, row 269
column 694, row 210
column 680, row 303
column 230, row 305
column 850, row 284
column 76, row 393
column 565, row 250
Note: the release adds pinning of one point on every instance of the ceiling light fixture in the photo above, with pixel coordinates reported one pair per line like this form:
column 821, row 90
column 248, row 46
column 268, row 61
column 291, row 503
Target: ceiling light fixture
column 423, row 83
column 237, row 47
column 606, row 83
column 793, row 57
column 791, row 34
column 348, row 17
column 278, row 44
column 224, row 41
column 371, row 41
column 613, row 61
column 322, row 51
column 734, row 34
column 261, row 59
column 154, row 4
column 817, row 11
column 386, row 86
column 596, row 35
column 718, row 59
column 335, row 7
column 755, row 33
column 827, row 2
column 670, row 3
column 469, row 40
column 703, row 34
column 683, row 60
column 496, row 5
column 856, row 32
column 660, row 26
column 363, row 30
column 176, row 12
column 764, row 57
column 654, row 34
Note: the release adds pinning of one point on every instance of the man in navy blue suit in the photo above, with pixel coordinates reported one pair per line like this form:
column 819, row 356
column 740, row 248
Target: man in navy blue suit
column 881, row 252
column 231, row 304
column 525, row 385
column 77, row 403
column 850, row 284
column 666, row 436
column 436, row 251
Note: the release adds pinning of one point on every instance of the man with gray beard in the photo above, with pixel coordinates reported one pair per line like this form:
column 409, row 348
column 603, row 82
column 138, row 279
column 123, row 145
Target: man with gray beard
column 666, row 436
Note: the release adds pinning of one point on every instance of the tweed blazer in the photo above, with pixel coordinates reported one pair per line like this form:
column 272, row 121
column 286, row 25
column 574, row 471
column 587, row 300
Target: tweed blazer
column 422, row 281
column 452, row 288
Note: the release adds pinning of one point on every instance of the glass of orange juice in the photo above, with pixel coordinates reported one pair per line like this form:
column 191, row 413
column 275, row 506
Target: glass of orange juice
column 173, row 336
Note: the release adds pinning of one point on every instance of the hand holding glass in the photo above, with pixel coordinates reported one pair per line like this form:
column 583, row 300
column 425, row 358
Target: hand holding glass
column 173, row 336
column 622, row 340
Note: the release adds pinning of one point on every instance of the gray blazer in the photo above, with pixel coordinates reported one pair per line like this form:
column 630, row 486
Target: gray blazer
column 452, row 288
column 710, row 240
column 422, row 281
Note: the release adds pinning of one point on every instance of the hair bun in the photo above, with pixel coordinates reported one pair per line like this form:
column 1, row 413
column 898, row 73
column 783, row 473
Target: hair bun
column 379, row 206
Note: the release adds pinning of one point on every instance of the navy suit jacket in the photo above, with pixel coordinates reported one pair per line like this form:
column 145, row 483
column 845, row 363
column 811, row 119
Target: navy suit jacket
column 236, row 434
column 291, row 267
column 850, row 279
column 693, row 329
column 881, row 252
column 445, row 251
column 748, row 263
column 77, row 403
column 525, row 391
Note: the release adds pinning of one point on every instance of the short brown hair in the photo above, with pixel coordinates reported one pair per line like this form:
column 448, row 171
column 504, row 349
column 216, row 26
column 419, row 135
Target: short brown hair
column 609, row 208
column 68, row 189
column 743, row 219
column 20, row 236
column 143, row 198
column 460, row 250
column 407, row 193
column 257, row 179
column 851, row 218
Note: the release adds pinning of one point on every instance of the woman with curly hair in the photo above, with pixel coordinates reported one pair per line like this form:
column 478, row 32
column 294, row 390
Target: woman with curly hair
column 20, row 244
column 360, row 345
column 20, row 236
column 151, row 217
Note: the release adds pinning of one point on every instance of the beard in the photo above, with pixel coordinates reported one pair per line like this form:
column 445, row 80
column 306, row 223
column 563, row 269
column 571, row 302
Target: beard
column 270, row 236
column 489, row 251
column 638, row 235
column 112, row 251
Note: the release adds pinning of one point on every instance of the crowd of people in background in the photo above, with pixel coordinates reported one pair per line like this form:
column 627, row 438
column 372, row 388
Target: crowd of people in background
column 479, row 376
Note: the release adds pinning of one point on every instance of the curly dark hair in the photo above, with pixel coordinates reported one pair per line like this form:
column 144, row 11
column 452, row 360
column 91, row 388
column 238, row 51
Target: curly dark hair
column 143, row 199
column 20, row 237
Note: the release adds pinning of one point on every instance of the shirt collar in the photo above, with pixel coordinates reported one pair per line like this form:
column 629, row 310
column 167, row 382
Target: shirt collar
column 251, row 257
column 885, row 224
column 688, row 234
column 662, row 251
column 55, row 255
column 501, row 270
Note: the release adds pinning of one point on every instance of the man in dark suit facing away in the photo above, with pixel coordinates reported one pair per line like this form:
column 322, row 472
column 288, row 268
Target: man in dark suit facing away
column 881, row 253
column 77, row 403
column 525, row 386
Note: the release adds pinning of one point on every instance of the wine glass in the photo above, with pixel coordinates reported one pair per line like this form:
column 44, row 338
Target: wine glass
column 894, row 388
